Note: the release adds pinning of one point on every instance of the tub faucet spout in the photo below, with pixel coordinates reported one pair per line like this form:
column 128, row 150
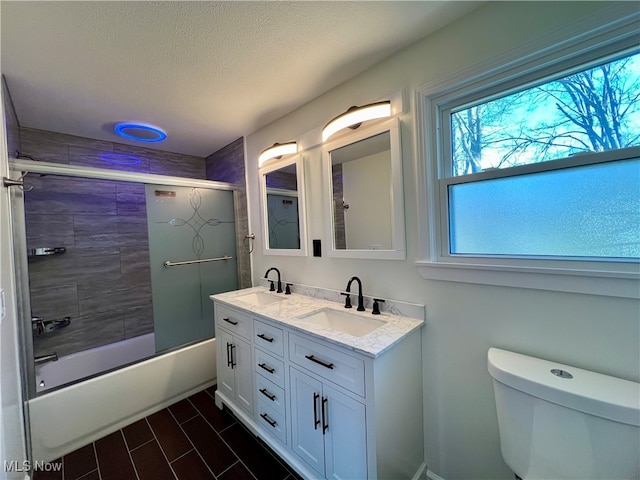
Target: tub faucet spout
column 53, row 357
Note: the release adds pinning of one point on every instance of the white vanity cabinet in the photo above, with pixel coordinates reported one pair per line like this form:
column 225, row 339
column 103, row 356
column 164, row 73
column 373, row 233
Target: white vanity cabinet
column 233, row 356
column 328, row 410
column 328, row 428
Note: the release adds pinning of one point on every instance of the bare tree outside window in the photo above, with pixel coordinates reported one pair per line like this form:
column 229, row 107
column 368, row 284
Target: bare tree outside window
column 594, row 110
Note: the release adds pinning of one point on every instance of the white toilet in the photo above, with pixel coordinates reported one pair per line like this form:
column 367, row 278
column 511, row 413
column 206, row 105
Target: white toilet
column 560, row 422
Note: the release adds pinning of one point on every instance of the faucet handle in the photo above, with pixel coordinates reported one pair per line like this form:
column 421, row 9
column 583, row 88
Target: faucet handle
column 376, row 307
column 272, row 287
column 347, row 301
column 287, row 290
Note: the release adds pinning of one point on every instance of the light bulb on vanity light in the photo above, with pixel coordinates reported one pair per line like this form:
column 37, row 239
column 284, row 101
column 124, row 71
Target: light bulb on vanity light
column 353, row 117
column 277, row 151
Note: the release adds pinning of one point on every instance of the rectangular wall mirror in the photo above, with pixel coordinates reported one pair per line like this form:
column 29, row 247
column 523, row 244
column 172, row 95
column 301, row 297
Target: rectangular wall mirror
column 283, row 207
column 364, row 194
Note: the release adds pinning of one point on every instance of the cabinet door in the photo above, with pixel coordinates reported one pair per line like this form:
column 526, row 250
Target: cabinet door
column 226, row 375
column 306, row 420
column 345, row 440
column 243, row 368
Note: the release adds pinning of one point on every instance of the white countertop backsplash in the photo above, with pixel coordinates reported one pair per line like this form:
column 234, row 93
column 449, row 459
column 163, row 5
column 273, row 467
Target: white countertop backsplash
column 401, row 318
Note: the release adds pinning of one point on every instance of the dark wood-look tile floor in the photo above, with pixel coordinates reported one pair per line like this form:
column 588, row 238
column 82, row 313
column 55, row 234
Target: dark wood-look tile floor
column 190, row 440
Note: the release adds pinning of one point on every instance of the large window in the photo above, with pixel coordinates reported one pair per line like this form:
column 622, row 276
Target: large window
column 539, row 171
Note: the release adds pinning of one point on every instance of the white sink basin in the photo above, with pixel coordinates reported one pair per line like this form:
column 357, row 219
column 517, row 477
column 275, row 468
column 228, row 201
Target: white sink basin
column 342, row 321
column 259, row 299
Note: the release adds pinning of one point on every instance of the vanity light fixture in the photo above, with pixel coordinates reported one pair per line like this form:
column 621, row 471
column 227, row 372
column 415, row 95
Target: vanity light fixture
column 277, row 151
column 353, row 117
column 140, row 132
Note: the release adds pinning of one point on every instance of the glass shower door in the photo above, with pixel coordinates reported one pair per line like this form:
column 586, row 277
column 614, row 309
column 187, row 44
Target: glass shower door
column 192, row 255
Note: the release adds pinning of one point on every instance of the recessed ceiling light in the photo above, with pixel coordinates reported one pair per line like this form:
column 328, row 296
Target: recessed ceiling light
column 140, row 133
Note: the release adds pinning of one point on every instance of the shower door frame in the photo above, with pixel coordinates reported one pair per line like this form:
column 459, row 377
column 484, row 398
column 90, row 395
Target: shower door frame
column 18, row 227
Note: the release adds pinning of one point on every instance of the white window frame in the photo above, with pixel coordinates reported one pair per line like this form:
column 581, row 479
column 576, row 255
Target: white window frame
column 552, row 54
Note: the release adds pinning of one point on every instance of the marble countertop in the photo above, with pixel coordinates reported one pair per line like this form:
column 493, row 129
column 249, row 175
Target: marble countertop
column 292, row 307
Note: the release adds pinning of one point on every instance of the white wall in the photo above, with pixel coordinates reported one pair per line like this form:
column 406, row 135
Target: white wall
column 463, row 320
column 12, row 446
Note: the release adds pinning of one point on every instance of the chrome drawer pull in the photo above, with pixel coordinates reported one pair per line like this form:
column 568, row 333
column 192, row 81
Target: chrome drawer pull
column 273, row 423
column 266, row 393
column 320, row 362
column 264, row 337
column 268, row 369
column 230, row 321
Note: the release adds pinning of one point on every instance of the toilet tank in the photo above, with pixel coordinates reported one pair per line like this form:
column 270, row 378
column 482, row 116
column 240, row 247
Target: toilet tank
column 562, row 422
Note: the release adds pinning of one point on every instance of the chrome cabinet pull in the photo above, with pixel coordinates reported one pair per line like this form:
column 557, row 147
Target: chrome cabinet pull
column 264, row 337
column 325, row 415
column 265, row 367
column 320, row 362
column 266, row 393
column 230, row 321
column 316, row 420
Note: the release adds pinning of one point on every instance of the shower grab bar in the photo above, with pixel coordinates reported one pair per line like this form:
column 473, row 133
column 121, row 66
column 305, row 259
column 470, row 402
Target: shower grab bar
column 203, row 260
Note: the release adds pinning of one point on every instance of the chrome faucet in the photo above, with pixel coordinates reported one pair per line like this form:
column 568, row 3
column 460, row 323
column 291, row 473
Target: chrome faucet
column 46, row 359
column 360, row 297
column 266, row 275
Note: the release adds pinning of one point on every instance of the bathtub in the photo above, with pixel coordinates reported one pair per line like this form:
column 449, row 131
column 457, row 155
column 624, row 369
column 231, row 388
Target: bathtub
column 76, row 366
column 70, row 417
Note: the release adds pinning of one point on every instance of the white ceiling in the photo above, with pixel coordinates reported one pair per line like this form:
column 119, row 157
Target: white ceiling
column 205, row 72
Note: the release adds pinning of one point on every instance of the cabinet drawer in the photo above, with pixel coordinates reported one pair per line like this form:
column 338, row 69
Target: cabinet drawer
column 269, row 367
column 329, row 363
column 272, row 420
column 268, row 337
column 269, row 393
column 234, row 321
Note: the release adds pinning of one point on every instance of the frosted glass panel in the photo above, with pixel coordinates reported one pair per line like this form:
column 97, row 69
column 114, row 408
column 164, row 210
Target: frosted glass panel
column 587, row 211
column 188, row 224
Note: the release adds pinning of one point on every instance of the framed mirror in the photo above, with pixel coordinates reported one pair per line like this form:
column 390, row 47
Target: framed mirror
column 283, row 207
column 364, row 194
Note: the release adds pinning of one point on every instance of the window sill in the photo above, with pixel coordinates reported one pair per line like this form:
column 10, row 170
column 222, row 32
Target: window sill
column 592, row 282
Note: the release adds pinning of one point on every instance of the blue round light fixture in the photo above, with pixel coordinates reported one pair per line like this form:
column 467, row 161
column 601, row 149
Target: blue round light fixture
column 140, row 133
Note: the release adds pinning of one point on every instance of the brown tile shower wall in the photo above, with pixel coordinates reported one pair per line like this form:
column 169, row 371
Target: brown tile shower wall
column 227, row 165
column 102, row 281
column 68, row 149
